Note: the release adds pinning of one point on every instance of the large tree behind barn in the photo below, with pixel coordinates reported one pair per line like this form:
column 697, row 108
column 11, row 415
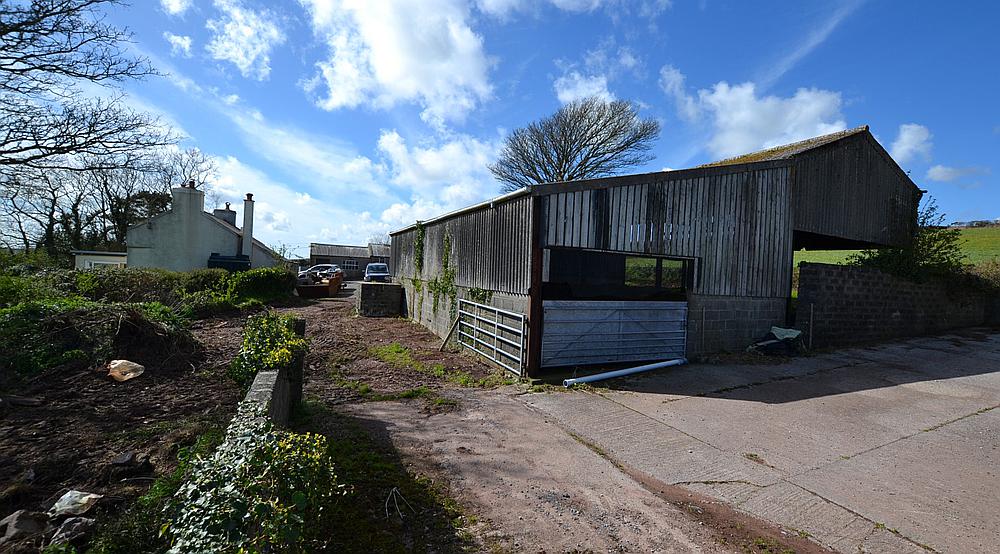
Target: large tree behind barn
column 584, row 139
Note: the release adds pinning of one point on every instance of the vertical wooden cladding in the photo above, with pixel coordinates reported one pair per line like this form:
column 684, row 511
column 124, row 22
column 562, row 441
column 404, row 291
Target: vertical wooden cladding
column 851, row 189
column 490, row 247
column 736, row 224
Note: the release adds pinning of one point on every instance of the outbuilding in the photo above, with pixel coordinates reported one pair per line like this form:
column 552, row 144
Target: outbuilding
column 652, row 266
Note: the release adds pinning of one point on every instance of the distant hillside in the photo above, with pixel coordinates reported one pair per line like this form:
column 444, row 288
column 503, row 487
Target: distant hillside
column 979, row 244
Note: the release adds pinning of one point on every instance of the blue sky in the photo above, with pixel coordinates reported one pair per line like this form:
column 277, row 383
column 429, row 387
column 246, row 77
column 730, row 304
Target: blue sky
column 348, row 118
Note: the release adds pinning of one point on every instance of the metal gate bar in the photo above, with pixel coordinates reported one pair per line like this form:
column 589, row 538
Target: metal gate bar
column 480, row 329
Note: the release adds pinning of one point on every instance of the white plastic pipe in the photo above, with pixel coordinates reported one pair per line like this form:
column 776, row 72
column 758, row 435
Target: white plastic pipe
column 622, row 372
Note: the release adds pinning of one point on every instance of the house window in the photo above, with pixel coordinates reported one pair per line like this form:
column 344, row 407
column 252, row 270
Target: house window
column 350, row 264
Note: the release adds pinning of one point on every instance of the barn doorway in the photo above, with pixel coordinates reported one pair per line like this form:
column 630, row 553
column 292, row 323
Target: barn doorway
column 608, row 307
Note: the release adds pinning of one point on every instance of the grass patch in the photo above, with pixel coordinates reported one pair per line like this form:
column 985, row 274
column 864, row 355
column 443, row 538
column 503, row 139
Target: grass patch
column 428, row 519
column 979, row 244
column 401, row 357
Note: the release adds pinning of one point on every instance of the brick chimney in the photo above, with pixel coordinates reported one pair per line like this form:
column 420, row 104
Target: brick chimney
column 247, row 248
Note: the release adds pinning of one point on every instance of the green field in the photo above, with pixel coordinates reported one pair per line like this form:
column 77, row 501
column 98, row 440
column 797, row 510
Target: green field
column 979, row 244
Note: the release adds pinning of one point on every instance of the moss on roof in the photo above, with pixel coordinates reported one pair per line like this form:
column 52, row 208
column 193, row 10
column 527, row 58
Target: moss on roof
column 788, row 150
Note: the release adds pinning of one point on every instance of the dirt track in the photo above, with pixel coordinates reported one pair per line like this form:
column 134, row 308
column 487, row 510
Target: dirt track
column 534, row 486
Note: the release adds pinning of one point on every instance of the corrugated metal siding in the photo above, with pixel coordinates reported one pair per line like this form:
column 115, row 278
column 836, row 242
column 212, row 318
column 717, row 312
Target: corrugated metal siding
column 737, row 225
column 848, row 189
column 490, row 248
column 584, row 333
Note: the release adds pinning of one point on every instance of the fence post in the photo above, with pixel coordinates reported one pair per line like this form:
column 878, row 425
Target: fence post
column 296, row 370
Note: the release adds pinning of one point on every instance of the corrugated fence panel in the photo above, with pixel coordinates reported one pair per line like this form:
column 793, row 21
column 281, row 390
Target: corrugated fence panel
column 490, row 248
column 583, row 333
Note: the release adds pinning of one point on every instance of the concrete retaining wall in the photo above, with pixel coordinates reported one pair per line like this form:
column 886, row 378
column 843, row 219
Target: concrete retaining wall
column 853, row 304
column 730, row 323
column 380, row 300
column 279, row 392
column 419, row 306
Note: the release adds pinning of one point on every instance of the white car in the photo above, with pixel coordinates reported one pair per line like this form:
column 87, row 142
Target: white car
column 377, row 272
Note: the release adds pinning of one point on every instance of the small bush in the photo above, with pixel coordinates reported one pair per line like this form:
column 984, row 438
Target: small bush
column 269, row 343
column 130, row 284
column 263, row 490
column 14, row 290
column 204, row 303
column 263, row 284
column 988, row 273
column 200, row 280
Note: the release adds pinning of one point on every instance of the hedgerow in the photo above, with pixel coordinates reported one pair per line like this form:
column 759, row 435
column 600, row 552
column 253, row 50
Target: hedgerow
column 263, row 490
column 269, row 343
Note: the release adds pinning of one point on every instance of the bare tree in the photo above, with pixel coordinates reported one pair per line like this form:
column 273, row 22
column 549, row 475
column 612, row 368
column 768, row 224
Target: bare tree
column 585, row 139
column 48, row 50
column 378, row 238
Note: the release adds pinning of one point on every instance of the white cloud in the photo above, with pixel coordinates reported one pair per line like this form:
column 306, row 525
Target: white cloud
column 672, row 83
column 574, row 86
column 452, row 174
column 913, row 142
column 601, row 66
column 320, row 162
column 382, row 53
column 743, row 122
column 815, row 38
column 506, row 8
column 244, row 37
column 180, row 45
column 175, row 7
column 285, row 216
column 947, row 174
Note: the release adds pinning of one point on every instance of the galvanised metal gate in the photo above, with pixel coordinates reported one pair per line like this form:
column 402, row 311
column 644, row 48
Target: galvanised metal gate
column 497, row 335
column 596, row 332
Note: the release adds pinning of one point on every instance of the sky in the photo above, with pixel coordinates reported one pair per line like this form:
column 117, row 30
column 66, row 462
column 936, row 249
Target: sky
column 348, row 118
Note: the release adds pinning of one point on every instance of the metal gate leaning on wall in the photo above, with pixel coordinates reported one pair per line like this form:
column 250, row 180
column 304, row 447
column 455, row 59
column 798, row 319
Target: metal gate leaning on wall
column 595, row 332
column 497, row 335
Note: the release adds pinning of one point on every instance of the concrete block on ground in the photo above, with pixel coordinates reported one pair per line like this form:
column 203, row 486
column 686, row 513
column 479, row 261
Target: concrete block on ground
column 380, row 300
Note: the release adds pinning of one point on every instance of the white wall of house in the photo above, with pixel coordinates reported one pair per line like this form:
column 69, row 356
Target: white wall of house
column 91, row 260
column 184, row 238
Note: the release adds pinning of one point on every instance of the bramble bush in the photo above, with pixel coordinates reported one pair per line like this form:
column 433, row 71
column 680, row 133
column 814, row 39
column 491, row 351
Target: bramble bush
column 269, row 343
column 264, row 284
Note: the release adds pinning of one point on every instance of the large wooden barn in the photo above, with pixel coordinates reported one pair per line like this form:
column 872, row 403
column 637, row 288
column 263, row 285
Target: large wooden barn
column 652, row 266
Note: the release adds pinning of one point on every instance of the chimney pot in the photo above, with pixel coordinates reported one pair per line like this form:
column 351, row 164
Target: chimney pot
column 250, row 196
column 227, row 205
column 191, row 183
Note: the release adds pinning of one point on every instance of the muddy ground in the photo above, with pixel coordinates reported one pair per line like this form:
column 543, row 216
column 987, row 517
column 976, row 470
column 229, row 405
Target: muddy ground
column 64, row 428
column 521, row 483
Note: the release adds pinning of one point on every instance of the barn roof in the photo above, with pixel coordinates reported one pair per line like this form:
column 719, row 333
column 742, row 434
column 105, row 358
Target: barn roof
column 338, row 250
column 787, row 151
column 378, row 250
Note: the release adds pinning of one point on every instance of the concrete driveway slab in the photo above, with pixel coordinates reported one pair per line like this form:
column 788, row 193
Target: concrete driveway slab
column 893, row 448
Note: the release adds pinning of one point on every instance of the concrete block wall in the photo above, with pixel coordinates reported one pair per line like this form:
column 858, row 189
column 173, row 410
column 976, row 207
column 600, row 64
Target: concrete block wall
column 420, row 306
column 279, row 392
column 380, row 300
column 854, row 304
column 730, row 323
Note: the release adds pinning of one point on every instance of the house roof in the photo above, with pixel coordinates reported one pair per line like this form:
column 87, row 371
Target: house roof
column 236, row 231
column 99, row 252
column 787, row 151
column 338, row 251
column 378, row 250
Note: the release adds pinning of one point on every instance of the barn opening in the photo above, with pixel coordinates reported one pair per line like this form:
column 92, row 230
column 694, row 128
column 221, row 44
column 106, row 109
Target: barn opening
column 575, row 274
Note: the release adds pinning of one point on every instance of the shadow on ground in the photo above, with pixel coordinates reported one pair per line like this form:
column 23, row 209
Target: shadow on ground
column 975, row 352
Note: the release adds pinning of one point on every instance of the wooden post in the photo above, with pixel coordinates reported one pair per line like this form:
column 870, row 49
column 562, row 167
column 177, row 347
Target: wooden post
column 535, row 311
column 297, row 369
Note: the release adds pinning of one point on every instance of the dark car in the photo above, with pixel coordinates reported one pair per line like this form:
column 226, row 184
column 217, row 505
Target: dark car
column 377, row 272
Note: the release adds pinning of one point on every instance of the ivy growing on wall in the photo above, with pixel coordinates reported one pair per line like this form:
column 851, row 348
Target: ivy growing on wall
column 418, row 248
column 478, row 295
column 418, row 296
column 444, row 284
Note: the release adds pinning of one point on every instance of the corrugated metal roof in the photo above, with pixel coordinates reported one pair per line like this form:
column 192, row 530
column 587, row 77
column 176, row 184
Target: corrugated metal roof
column 788, row 150
column 338, row 251
column 378, row 250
